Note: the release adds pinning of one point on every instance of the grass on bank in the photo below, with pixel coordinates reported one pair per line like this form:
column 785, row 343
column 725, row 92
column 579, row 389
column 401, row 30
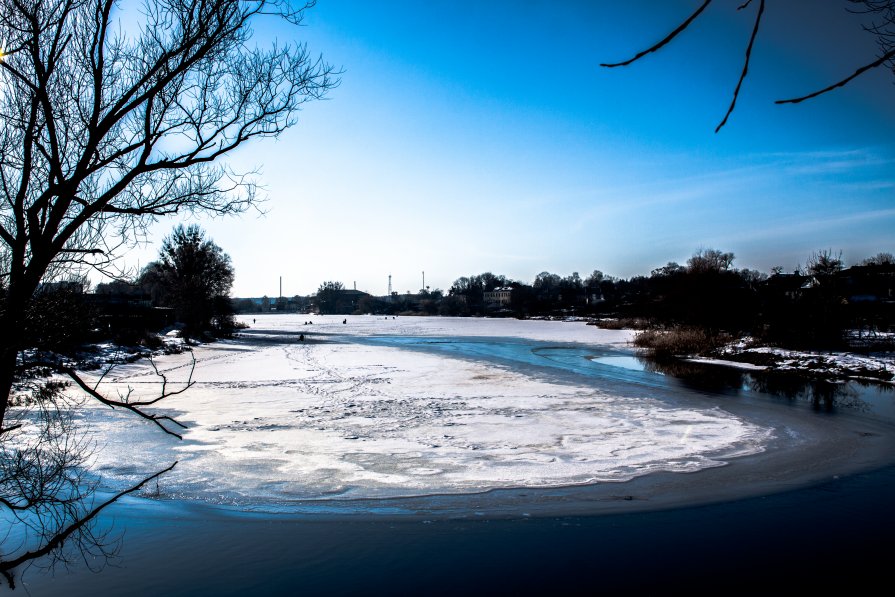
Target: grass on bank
column 679, row 341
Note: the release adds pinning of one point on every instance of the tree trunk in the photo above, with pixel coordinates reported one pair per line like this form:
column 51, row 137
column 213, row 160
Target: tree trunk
column 7, row 373
column 12, row 326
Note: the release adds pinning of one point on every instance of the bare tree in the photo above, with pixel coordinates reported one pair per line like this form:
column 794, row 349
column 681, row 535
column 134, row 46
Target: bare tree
column 882, row 26
column 710, row 260
column 823, row 264
column 106, row 125
column 880, row 259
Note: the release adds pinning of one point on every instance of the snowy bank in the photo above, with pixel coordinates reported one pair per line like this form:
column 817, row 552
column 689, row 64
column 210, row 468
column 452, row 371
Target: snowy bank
column 831, row 365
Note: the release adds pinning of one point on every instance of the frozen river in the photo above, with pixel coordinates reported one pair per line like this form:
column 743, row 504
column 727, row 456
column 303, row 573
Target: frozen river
column 386, row 408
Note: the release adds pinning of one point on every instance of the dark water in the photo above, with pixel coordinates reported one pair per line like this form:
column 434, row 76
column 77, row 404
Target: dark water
column 837, row 535
column 876, row 399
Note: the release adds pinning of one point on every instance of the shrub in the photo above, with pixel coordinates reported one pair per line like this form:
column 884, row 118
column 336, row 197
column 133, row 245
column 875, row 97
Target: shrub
column 679, row 341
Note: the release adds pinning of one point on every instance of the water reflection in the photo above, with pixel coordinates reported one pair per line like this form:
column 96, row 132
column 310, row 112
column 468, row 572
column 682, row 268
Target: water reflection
column 620, row 370
column 823, row 395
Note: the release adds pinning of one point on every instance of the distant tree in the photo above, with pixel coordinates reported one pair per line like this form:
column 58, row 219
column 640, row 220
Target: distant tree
column 454, row 305
column 880, row 259
column 546, row 289
column 491, row 281
column 546, row 283
column 246, row 305
column 669, row 269
column 472, row 290
column 882, row 13
column 821, row 309
column 707, row 293
column 752, row 277
column 430, row 300
column 193, row 276
column 572, row 282
column 571, row 292
column 709, row 260
column 594, row 279
column 329, row 297
column 824, row 264
column 119, row 287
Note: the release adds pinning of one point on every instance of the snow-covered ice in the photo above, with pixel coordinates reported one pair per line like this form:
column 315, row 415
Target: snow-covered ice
column 274, row 419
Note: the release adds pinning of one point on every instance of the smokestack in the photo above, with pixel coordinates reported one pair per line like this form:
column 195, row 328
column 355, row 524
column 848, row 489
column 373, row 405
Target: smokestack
column 281, row 286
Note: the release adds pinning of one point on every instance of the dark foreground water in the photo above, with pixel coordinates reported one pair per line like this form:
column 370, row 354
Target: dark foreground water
column 837, row 535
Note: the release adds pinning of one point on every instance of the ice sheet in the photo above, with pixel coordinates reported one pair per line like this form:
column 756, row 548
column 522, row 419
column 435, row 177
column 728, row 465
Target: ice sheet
column 273, row 419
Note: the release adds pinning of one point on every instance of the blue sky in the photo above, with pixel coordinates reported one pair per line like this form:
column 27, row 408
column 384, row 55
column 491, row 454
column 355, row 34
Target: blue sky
column 484, row 136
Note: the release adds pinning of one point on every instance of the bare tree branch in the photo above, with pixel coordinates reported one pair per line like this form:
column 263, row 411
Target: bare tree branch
column 6, row 567
column 878, row 62
column 736, row 91
column 667, row 39
column 136, row 406
column 883, row 28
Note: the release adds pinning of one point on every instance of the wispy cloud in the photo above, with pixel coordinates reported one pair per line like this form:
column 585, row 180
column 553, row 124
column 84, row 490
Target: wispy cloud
column 829, row 162
column 793, row 228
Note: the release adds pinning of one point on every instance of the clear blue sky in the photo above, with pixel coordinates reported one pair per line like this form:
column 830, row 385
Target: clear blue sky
column 484, row 136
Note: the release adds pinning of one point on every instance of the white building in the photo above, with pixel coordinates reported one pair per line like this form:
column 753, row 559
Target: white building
column 499, row 296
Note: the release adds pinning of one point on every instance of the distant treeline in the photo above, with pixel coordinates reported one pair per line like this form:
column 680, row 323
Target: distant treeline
column 821, row 305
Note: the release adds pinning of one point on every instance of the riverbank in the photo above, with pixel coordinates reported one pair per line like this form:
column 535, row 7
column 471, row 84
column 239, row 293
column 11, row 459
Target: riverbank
column 829, row 365
column 697, row 345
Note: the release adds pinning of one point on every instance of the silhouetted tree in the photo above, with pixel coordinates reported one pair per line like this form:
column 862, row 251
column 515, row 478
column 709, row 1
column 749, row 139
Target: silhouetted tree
column 669, row 269
column 472, row 290
column 193, row 276
column 329, row 298
column 430, row 300
column 707, row 293
column 709, row 260
column 823, row 264
column 105, row 126
column 880, row 259
column 594, row 279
